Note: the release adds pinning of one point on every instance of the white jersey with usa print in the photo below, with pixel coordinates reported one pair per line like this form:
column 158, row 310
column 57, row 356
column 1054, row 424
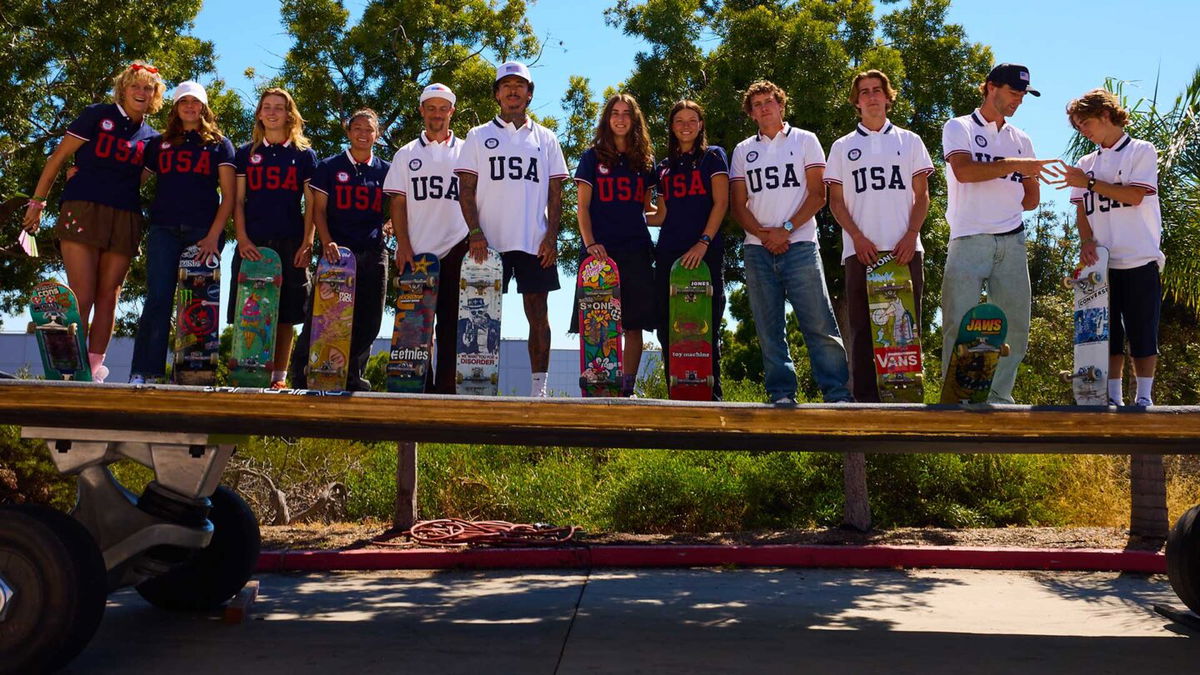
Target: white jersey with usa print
column 990, row 206
column 875, row 170
column 1131, row 233
column 776, row 183
column 515, row 166
column 423, row 171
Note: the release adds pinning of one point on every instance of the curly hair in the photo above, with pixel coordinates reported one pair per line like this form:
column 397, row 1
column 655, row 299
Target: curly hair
column 1096, row 103
column 637, row 148
column 763, row 87
column 139, row 71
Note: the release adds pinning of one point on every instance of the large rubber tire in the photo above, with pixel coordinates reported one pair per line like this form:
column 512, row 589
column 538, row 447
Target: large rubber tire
column 217, row 572
column 60, row 587
column 1183, row 558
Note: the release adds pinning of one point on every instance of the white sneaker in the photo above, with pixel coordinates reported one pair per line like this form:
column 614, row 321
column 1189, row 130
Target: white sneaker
column 1116, row 403
column 100, row 373
column 1143, row 402
column 136, row 379
column 784, row 400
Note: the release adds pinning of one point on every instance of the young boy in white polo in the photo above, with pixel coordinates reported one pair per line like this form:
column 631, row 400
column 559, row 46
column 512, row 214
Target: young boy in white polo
column 1115, row 192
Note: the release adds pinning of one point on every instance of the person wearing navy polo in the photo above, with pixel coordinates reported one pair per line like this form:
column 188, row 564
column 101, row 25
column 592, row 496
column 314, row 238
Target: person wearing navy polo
column 693, row 195
column 614, row 180
column 273, row 174
column 349, row 210
column 191, row 160
column 100, row 221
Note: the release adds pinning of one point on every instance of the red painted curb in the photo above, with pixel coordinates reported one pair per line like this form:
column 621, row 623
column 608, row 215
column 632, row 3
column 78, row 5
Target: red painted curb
column 582, row 557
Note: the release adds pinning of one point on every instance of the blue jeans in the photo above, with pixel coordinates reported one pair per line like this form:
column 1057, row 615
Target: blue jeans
column 796, row 277
column 163, row 247
column 1001, row 261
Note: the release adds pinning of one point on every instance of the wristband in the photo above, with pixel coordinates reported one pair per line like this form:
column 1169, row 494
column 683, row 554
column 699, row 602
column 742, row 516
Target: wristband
column 1089, row 240
column 705, row 239
column 1091, row 184
column 36, row 204
column 475, row 231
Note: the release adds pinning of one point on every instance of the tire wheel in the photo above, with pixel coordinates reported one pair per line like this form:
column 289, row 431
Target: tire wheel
column 217, row 572
column 60, row 585
column 1183, row 558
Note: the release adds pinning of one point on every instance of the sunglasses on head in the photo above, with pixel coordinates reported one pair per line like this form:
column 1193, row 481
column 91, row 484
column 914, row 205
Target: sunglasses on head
column 148, row 69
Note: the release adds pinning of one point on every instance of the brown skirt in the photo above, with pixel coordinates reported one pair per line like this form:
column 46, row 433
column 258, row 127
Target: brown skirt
column 104, row 227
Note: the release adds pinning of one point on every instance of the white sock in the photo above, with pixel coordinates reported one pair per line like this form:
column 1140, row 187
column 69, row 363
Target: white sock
column 538, row 389
column 1144, row 385
column 1114, row 390
column 278, row 375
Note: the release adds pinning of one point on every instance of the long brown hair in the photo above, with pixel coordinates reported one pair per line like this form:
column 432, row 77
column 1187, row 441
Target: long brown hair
column 294, row 126
column 637, row 145
column 209, row 131
column 701, row 143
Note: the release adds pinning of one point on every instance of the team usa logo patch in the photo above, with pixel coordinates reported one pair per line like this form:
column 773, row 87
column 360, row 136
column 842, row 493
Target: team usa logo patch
column 491, row 143
column 256, row 158
column 414, row 164
column 980, row 141
column 343, row 177
column 752, row 155
column 166, row 144
column 854, row 154
column 107, row 125
column 602, row 169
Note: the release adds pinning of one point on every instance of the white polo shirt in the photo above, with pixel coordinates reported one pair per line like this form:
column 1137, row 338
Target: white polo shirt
column 776, row 183
column 514, row 166
column 991, row 206
column 423, row 171
column 1131, row 233
column 875, row 170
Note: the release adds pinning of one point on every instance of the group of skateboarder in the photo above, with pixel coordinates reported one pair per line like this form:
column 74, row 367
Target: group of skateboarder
column 500, row 189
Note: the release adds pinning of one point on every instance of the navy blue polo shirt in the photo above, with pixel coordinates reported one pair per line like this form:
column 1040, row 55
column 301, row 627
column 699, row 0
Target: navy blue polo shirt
column 618, row 201
column 354, row 209
column 685, row 184
column 110, row 161
column 275, row 177
column 185, row 194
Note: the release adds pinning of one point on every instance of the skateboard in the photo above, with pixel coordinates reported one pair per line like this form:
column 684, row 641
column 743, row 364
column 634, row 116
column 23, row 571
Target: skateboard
column 1089, row 379
column 477, row 363
column 690, row 333
column 977, row 350
column 599, row 298
column 894, row 331
column 197, row 319
column 253, row 353
column 412, row 336
column 61, row 338
column 332, row 323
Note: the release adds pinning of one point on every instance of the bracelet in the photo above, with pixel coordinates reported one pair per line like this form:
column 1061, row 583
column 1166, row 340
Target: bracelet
column 705, row 239
column 475, row 231
column 1091, row 185
column 1089, row 240
column 36, row 204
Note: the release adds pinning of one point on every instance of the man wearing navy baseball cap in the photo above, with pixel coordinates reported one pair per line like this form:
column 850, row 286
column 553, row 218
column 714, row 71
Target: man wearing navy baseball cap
column 992, row 177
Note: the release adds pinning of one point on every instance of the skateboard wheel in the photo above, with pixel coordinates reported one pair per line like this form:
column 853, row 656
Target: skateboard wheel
column 458, row 378
column 396, row 283
column 1068, row 282
column 708, row 290
column 72, row 329
column 32, row 328
column 462, row 284
column 919, row 378
column 960, row 350
column 496, row 284
column 908, row 285
column 710, row 380
column 1065, row 376
column 674, row 381
column 1095, row 277
column 1005, row 349
column 182, row 274
column 214, row 359
column 673, row 291
column 495, row 378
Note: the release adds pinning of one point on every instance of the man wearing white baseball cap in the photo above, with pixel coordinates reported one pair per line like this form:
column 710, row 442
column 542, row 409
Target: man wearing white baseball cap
column 511, row 170
column 426, row 217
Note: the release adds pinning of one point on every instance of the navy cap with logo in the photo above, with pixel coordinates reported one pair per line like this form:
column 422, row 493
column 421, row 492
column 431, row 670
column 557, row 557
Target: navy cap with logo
column 1014, row 75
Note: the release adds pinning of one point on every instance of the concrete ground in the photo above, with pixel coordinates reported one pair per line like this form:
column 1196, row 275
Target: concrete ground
column 663, row 621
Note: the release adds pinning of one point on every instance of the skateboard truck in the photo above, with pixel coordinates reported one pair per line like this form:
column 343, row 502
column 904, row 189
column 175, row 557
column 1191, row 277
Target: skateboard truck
column 1088, row 374
column 140, row 536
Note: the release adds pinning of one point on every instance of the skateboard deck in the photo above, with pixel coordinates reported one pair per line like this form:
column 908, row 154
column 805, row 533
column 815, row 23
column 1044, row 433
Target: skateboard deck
column 412, row 335
column 895, row 331
column 61, row 339
column 477, row 362
column 332, row 323
column 977, row 351
column 690, row 333
column 599, row 298
column 258, row 287
column 1089, row 377
column 197, row 319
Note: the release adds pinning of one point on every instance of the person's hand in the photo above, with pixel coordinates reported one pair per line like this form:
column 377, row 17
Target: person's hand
column 691, row 260
column 597, row 251
column 1087, row 252
column 387, row 228
column 208, row 247
column 331, row 252
column 33, row 217
column 865, row 249
column 1073, row 176
column 906, row 248
column 775, row 240
column 478, row 248
column 548, row 250
column 248, row 251
column 1049, row 171
column 303, row 257
column 404, row 256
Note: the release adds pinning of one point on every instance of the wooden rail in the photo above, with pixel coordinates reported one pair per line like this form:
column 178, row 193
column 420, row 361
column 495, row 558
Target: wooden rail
column 617, row 423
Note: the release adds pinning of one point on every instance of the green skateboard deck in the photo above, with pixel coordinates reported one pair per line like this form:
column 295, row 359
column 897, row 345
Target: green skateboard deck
column 977, row 351
column 258, row 287
column 690, row 333
column 61, row 338
column 894, row 331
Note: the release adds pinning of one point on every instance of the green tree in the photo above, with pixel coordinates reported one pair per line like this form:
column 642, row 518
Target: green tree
column 61, row 56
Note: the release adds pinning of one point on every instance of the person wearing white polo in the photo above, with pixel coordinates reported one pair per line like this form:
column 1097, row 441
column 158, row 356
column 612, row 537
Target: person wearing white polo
column 776, row 191
column 511, row 171
column 427, row 218
column 991, row 178
column 878, row 178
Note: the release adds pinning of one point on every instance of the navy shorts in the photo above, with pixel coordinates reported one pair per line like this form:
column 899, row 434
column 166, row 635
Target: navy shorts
column 531, row 276
column 1135, row 301
column 297, row 282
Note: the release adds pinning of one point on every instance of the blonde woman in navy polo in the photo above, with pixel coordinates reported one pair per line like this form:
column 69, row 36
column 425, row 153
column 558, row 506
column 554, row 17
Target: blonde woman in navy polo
column 349, row 209
column 693, row 196
column 191, row 160
column 100, row 215
column 273, row 172
column 614, row 180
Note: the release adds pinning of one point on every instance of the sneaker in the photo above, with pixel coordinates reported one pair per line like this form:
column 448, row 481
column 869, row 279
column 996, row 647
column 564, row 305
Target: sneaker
column 1115, row 403
column 136, row 379
column 784, row 400
column 1143, row 402
column 278, row 384
column 100, row 373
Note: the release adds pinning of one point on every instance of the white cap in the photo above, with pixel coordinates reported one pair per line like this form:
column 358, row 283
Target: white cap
column 514, row 68
column 190, row 88
column 437, row 90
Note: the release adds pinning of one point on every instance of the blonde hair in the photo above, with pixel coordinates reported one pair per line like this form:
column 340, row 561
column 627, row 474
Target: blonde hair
column 883, row 79
column 209, row 131
column 139, row 71
column 294, row 125
column 1094, row 104
column 763, row 87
